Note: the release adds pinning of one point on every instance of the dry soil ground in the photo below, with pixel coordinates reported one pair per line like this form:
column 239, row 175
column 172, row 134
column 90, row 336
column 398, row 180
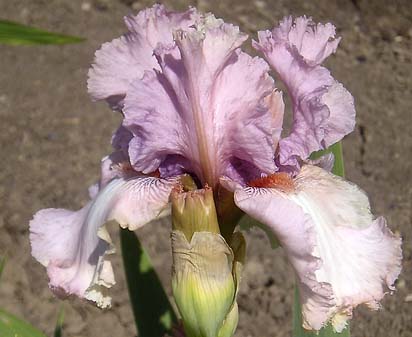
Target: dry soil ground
column 52, row 138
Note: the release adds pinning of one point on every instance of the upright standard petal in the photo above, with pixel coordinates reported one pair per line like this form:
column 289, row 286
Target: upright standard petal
column 121, row 139
column 208, row 101
column 342, row 256
column 124, row 59
column 323, row 110
column 277, row 109
column 73, row 244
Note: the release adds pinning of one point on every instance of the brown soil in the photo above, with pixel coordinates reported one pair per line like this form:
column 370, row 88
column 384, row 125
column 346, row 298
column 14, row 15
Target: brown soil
column 53, row 137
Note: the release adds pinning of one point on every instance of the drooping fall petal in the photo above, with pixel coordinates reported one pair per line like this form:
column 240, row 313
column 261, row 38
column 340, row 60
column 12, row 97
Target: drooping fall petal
column 341, row 255
column 73, row 244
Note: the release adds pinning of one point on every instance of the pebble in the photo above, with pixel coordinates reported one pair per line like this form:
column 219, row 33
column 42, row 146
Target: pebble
column 86, row 6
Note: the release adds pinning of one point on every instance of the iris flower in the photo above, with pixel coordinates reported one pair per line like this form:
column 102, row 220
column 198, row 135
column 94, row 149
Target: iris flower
column 193, row 103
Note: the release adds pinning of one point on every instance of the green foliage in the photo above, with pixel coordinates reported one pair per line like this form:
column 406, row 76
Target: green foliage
column 11, row 326
column 17, row 34
column 2, row 264
column 298, row 331
column 58, row 330
column 154, row 315
column 338, row 167
column 336, row 149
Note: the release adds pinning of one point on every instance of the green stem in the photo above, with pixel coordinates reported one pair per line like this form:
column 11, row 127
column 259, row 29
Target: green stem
column 338, row 167
column 327, row 331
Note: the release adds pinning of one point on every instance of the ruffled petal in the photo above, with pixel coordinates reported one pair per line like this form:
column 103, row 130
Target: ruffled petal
column 323, row 110
column 314, row 42
column 277, row 108
column 342, row 256
column 208, row 101
column 152, row 116
column 121, row 139
column 124, row 59
column 73, row 244
column 115, row 165
column 250, row 125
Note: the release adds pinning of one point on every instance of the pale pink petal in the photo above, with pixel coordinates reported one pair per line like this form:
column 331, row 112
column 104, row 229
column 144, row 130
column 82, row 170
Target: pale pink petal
column 314, row 42
column 142, row 200
column 124, row 59
column 323, row 110
column 342, row 256
column 241, row 171
column 208, row 101
column 175, row 165
column 121, row 139
column 294, row 230
column 72, row 245
column 116, row 165
column 277, row 109
column 152, row 115
column 246, row 126
column 341, row 119
column 229, row 184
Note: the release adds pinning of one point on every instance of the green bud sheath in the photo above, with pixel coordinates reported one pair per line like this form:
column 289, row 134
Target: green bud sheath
column 202, row 282
column 205, row 268
column 238, row 246
column 194, row 211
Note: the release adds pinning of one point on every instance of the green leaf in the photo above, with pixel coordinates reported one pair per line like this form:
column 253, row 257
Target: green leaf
column 11, row 326
column 154, row 315
column 2, row 264
column 338, row 167
column 58, row 330
column 298, row 331
column 16, row 34
column 336, row 149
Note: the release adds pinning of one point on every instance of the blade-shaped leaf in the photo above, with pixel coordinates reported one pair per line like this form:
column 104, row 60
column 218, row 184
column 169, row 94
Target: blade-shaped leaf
column 154, row 315
column 58, row 330
column 18, row 34
column 298, row 331
column 338, row 167
column 336, row 149
column 11, row 326
column 2, row 264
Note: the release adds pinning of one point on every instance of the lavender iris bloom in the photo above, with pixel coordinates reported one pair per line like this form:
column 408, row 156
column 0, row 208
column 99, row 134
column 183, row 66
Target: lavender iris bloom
column 194, row 103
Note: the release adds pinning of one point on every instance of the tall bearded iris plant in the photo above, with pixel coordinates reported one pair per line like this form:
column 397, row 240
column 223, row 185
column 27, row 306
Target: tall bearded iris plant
column 201, row 140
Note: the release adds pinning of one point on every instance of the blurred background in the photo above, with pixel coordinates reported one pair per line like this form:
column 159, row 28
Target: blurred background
column 52, row 138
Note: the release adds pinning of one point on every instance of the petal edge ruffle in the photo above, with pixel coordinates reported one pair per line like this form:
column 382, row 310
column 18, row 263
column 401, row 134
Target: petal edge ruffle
column 124, row 59
column 73, row 244
column 323, row 110
column 342, row 257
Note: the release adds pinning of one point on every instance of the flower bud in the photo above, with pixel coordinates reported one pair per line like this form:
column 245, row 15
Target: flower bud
column 206, row 269
column 194, row 211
